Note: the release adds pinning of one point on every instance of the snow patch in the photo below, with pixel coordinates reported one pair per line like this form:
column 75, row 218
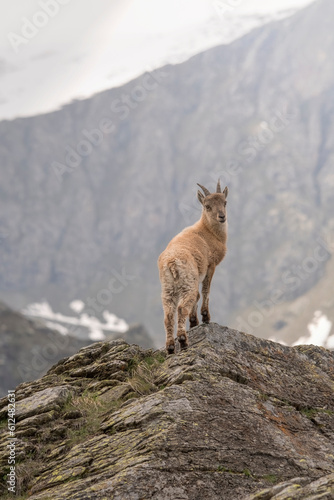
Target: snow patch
column 77, row 306
column 319, row 330
column 56, row 326
column 64, row 324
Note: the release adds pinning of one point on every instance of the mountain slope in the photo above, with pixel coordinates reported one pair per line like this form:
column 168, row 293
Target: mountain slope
column 28, row 348
column 230, row 416
column 287, row 318
column 258, row 113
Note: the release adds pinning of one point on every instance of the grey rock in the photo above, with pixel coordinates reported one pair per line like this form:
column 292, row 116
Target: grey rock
column 42, row 402
column 299, row 489
column 252, row 419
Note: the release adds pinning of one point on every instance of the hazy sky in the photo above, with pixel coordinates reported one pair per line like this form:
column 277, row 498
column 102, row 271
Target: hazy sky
column 52, row 51
column 140, row 16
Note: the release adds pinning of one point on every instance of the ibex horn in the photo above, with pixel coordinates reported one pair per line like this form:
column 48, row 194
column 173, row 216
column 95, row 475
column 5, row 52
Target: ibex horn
column 219, row 189
column 205, row 191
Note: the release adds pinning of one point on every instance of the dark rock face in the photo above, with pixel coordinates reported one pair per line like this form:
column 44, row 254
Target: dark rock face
column 232, row 417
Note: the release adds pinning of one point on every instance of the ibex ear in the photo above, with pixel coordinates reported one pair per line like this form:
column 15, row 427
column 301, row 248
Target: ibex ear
column 225, row 192
column 200, row 197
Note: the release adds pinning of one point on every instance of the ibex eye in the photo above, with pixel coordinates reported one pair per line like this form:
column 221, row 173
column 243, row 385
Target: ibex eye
column 208, row 207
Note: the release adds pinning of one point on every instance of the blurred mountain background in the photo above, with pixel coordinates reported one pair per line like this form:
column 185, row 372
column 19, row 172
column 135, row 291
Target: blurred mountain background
column 92, row 193
column 29, row 347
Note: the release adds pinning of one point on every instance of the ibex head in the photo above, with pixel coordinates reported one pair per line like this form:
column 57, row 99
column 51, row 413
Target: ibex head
column 214, row 204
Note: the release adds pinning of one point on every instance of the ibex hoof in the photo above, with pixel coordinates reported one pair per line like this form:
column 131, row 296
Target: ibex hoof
column 205, row 317
column 193, row 323
column 171, row 349
column 183, row 342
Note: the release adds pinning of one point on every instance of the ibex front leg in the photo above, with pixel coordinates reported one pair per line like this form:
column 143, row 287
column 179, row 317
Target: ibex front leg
column 205, row 294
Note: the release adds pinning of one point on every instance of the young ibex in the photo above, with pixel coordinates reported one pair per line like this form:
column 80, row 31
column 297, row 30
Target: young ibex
column 190, row 259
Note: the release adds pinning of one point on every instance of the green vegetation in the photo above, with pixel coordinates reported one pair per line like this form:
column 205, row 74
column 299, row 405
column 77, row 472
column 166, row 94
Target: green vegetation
column 220, row 468
column 142, row 379
column 271, row 478
column 246, row 472
column 312, row 412
column 309, row 412
column 133, row 364
column 93, row 409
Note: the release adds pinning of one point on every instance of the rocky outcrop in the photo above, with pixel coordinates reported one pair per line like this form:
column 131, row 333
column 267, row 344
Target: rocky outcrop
column 233, row 417
column 300, row 488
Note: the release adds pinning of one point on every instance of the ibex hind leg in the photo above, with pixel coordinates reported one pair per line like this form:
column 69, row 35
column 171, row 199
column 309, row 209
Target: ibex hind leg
column 205, row 294
column 169, row 320
column 185, row 306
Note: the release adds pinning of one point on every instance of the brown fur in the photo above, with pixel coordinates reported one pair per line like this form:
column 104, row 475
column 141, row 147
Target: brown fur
column 190, row 259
